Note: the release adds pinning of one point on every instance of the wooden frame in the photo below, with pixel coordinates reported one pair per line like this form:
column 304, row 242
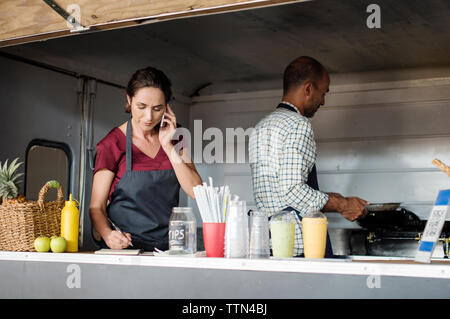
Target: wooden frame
column 24, row 21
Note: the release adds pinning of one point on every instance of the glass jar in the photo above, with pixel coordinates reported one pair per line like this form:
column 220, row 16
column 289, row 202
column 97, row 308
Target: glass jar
column 182, row 231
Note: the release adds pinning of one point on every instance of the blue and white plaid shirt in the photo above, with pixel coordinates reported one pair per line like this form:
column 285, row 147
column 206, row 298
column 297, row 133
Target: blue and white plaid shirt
column 282, row 154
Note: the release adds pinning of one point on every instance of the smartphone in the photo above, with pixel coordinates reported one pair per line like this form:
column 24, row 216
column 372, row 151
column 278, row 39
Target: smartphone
column 162, row 119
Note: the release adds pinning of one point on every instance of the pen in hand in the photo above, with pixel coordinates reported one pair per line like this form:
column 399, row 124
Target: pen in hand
column 118, row 229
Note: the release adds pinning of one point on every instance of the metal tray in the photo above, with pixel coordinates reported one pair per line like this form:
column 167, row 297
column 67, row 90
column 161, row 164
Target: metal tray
column 379, row 207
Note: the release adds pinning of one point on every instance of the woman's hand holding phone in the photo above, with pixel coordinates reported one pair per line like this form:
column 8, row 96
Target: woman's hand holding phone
column 168, row 129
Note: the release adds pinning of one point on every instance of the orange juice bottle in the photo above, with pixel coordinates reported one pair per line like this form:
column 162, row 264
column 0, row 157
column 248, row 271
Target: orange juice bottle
column 70, row 219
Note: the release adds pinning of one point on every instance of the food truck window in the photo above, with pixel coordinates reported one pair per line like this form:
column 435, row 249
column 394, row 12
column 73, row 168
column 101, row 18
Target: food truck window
column 44, row 161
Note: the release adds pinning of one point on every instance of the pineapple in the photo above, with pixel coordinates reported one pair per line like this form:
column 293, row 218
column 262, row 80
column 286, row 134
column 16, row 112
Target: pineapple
column 9, row 190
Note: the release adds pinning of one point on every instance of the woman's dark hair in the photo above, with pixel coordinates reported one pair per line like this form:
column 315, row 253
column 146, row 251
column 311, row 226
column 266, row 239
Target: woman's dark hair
column 301, row 70
column 148, row 77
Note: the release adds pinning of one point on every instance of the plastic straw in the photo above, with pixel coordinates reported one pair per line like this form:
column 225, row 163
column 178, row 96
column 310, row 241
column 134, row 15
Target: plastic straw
column 202, row 204
column 225, row 207
column 212, row 201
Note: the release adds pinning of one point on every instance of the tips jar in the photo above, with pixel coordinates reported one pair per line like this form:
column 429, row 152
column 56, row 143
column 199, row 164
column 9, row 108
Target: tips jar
column 182, row 231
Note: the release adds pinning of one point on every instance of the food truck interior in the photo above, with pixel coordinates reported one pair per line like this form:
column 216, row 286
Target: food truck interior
column 385, row 119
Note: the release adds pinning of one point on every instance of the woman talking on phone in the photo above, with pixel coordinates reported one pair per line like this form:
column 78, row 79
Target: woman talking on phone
column 139, row 169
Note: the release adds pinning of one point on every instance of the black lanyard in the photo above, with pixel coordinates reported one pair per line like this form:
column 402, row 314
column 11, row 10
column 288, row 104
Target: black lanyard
column 286, row 106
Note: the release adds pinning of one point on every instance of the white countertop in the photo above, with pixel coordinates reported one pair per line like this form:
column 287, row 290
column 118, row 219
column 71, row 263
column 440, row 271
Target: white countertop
column 353, row 265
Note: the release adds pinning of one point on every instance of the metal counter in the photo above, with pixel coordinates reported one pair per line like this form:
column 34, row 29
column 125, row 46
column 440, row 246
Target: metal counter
column 87, row 275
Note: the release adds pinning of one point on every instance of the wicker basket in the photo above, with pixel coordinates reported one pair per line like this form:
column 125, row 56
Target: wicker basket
column 22, row 223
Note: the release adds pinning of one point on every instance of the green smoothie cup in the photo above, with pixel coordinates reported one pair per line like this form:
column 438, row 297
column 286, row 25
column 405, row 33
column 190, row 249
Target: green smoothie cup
column 282, row 230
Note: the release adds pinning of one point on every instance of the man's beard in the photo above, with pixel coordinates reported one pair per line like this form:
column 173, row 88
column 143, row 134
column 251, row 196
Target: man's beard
column 309, row 113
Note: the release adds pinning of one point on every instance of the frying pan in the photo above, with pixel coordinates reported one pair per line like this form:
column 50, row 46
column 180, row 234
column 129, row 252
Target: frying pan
column 379, row 207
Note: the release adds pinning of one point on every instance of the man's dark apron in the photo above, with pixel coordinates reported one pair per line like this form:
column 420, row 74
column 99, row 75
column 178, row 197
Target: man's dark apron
column 314, row 184
column 142, row 203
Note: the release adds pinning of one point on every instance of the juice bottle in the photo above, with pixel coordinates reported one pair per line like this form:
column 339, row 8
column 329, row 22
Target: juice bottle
column 70, row 218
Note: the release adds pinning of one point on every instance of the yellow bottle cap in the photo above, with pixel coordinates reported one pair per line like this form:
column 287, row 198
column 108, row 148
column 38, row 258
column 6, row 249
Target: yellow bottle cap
column 71, row 202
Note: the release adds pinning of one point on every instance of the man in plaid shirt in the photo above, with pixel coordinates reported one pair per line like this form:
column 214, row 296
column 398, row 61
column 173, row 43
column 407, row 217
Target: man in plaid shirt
column 283, row 153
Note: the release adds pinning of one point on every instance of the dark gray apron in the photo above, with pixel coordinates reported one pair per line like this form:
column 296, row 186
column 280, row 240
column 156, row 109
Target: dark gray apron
column 314, row 184
column 142, row 203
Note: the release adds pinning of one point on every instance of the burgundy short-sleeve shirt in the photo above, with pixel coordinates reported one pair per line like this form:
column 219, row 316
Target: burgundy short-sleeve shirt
column 111, row 152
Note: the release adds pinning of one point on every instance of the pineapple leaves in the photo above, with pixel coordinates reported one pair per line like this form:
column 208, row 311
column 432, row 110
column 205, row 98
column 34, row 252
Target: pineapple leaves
column 8, row 179
column 8, row 190
column 16, row 177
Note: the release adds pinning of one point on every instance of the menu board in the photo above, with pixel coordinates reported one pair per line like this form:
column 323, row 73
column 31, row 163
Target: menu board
column 433, row 228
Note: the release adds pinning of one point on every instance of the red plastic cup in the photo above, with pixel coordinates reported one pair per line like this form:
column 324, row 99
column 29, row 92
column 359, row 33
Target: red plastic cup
column 214, row 239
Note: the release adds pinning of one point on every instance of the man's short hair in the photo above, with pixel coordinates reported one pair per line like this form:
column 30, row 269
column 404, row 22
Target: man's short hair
column 301, row 70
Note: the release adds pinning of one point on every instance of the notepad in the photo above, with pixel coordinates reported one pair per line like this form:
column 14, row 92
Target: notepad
column 106, row 251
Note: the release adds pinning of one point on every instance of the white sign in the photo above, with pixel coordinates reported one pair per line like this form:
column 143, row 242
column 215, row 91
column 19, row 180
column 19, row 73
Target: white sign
column 433, row 228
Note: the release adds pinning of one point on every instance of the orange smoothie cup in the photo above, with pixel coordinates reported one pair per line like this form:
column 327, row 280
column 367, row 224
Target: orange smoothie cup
column 314, row 227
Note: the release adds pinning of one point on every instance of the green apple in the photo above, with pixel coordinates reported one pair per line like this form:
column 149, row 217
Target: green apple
column 42, row 244
column 58, row 244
